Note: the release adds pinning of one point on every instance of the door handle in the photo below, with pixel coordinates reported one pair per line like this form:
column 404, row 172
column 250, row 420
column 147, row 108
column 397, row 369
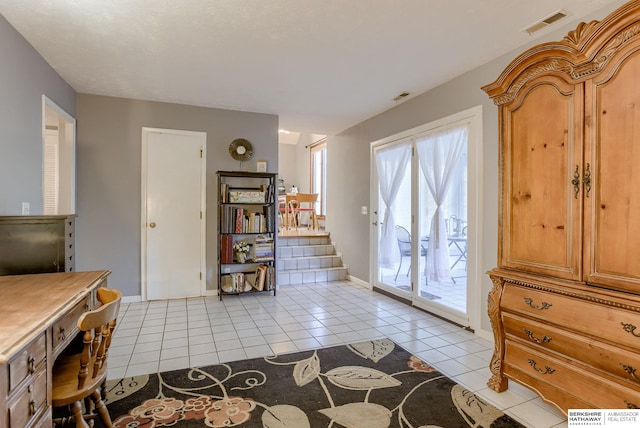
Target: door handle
column 152, row 225
column 375, row 223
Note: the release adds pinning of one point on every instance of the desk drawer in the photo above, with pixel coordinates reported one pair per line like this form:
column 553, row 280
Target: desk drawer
column 66, row 328
column 587, row 317
column 533, row 367
column 29, row 402
column 27, row 362
column 600, row 355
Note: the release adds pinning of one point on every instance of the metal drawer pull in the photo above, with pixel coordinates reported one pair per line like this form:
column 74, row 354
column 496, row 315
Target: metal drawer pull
column 587, row 180
column 630, row 370
column 61, row 335
column 576, row 182
column 529, row 333
column 547, row 369
column 630, row 328
column 32, row 407
column 31, row 362
column 543, row 306
column 631, row 405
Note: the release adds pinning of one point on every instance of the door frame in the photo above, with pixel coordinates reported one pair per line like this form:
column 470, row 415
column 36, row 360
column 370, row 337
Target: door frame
column 54, row 115
column 143, row 204
column 474, row 215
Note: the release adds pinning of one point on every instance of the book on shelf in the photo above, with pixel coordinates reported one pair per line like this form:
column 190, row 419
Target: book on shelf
column 247, row 196
column 232, row 283
column 261, row 274
column 238, row 282
column 271, row 278
column 226, row 249
column 223, row 192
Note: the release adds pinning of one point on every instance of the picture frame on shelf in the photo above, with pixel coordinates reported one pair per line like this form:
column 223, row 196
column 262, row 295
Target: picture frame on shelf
column 261, row 165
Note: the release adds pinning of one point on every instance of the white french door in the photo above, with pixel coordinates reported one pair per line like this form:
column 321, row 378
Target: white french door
column 425, row 214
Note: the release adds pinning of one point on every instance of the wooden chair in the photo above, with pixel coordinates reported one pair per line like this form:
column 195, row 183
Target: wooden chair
column 304, row 203
column 80, row 376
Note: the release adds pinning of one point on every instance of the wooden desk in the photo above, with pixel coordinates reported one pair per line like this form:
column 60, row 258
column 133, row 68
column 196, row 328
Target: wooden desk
column 38, row 315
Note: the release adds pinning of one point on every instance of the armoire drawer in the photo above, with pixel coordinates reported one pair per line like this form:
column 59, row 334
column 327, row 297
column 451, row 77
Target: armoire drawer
column 568, row 378
column 27, row 362
column 600, row 355
column 596, row 319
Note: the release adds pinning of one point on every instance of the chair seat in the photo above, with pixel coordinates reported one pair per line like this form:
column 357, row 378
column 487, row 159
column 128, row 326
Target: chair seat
column 65, row 380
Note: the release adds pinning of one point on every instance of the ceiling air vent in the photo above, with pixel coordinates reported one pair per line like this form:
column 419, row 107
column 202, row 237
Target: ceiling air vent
column 401, row 96
column 545, row 22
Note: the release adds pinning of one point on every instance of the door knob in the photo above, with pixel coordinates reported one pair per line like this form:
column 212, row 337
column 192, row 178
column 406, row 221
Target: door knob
column 375, row 223
column 152, row 224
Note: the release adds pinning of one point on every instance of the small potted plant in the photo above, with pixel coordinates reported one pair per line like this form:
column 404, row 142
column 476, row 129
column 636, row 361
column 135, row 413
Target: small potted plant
column 241, row 248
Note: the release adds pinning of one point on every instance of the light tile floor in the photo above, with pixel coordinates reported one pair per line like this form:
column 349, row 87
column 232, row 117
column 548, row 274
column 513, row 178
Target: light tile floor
column 167, row 335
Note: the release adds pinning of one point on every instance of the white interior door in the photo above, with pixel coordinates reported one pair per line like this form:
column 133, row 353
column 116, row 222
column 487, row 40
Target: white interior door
column 173, row 225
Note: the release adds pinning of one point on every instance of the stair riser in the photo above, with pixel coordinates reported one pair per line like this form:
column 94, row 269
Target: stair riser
column 306, row 251
column 307, row 277
column 309, row 263
column 292, row 242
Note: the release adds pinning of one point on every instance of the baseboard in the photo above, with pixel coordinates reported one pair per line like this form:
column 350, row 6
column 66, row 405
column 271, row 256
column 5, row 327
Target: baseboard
column 138, row 299
column 131, row 299
column 485, row 334
column 360, row 282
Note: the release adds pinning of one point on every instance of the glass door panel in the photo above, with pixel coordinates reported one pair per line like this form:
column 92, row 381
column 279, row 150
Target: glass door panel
column 448, row 289
column 395, row 254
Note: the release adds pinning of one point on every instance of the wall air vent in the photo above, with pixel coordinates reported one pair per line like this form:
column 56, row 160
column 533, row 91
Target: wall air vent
column 545, row 22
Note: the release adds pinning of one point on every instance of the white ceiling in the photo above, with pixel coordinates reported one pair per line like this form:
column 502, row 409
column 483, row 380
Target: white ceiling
column 321, row 65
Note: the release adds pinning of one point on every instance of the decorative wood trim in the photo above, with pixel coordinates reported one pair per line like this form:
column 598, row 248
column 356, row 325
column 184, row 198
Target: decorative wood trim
column 498, row 382
column 577, row 36
column 580, row 55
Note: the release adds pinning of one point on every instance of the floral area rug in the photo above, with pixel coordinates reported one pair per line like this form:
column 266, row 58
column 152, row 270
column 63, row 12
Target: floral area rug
column 373, row 384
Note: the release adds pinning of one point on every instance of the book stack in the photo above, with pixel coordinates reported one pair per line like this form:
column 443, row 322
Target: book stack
column 263, row 249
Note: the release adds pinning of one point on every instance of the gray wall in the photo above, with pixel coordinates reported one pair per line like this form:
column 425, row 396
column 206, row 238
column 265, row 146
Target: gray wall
column 24, row 78
column 288, row 164
column 348, row 161
column 109, row 168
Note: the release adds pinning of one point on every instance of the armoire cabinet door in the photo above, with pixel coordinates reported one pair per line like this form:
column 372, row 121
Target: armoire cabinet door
column 612, row 226
column 542, row 147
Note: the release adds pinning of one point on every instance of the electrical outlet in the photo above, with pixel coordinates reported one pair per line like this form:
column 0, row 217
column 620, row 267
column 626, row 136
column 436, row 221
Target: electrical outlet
column 26, row 208
column 364, row 210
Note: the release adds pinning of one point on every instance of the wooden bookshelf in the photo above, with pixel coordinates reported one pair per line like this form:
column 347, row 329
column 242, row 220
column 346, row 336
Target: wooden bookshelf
column 247, row 204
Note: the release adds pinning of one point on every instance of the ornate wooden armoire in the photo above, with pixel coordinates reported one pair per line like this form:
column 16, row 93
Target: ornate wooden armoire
column 565, row 302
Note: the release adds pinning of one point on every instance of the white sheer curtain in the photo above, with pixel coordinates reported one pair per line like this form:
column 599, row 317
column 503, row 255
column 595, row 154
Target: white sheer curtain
column 439, row 154
column 392, row 166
